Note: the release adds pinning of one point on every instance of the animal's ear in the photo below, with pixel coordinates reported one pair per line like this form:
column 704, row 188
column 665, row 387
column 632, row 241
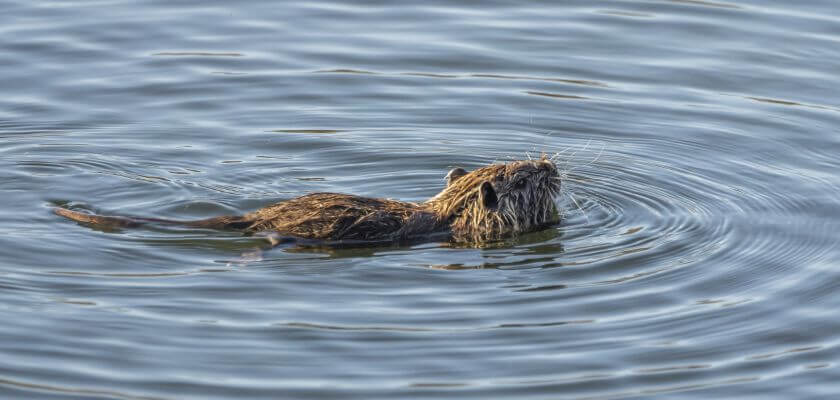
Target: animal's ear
column 454, row 174
column 488, row 197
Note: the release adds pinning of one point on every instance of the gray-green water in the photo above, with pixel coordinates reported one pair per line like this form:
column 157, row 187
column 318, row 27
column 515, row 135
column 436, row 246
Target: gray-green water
column 700, row 141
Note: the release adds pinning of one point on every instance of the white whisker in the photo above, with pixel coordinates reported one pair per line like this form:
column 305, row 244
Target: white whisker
column 579, row 207
column 557, row 154
column 575, row 153
column 604, row 146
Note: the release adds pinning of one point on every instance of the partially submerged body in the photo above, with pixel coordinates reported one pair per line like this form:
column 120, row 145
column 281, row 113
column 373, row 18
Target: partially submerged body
column 489, row 204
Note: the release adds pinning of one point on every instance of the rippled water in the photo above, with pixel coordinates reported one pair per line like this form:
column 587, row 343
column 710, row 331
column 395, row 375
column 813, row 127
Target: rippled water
column 697, row 257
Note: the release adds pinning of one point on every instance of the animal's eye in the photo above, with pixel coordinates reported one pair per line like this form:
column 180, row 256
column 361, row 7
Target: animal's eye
column 520, row 183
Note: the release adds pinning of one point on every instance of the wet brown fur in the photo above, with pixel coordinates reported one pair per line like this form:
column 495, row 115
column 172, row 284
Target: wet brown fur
column 524, row 194
column 488, row 204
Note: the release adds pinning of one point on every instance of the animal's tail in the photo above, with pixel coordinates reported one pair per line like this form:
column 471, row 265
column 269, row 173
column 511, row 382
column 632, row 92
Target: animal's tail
column 104, row 221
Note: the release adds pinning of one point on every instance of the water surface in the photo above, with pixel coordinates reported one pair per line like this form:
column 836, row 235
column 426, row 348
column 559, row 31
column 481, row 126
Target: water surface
column 697, row 257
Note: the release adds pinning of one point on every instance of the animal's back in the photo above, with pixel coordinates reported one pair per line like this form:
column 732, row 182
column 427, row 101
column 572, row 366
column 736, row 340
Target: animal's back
column 344, row 217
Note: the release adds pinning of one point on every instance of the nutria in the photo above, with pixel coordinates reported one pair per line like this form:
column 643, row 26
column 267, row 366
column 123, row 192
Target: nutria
column 491, row 203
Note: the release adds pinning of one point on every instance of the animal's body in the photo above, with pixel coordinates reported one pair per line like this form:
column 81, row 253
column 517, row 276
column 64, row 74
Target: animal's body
column 491, row 203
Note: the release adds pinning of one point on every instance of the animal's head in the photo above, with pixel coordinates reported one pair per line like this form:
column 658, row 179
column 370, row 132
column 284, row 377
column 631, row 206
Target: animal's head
column 499, row 200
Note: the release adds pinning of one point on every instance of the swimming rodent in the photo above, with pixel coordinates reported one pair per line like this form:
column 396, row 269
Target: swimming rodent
column 491, row 203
